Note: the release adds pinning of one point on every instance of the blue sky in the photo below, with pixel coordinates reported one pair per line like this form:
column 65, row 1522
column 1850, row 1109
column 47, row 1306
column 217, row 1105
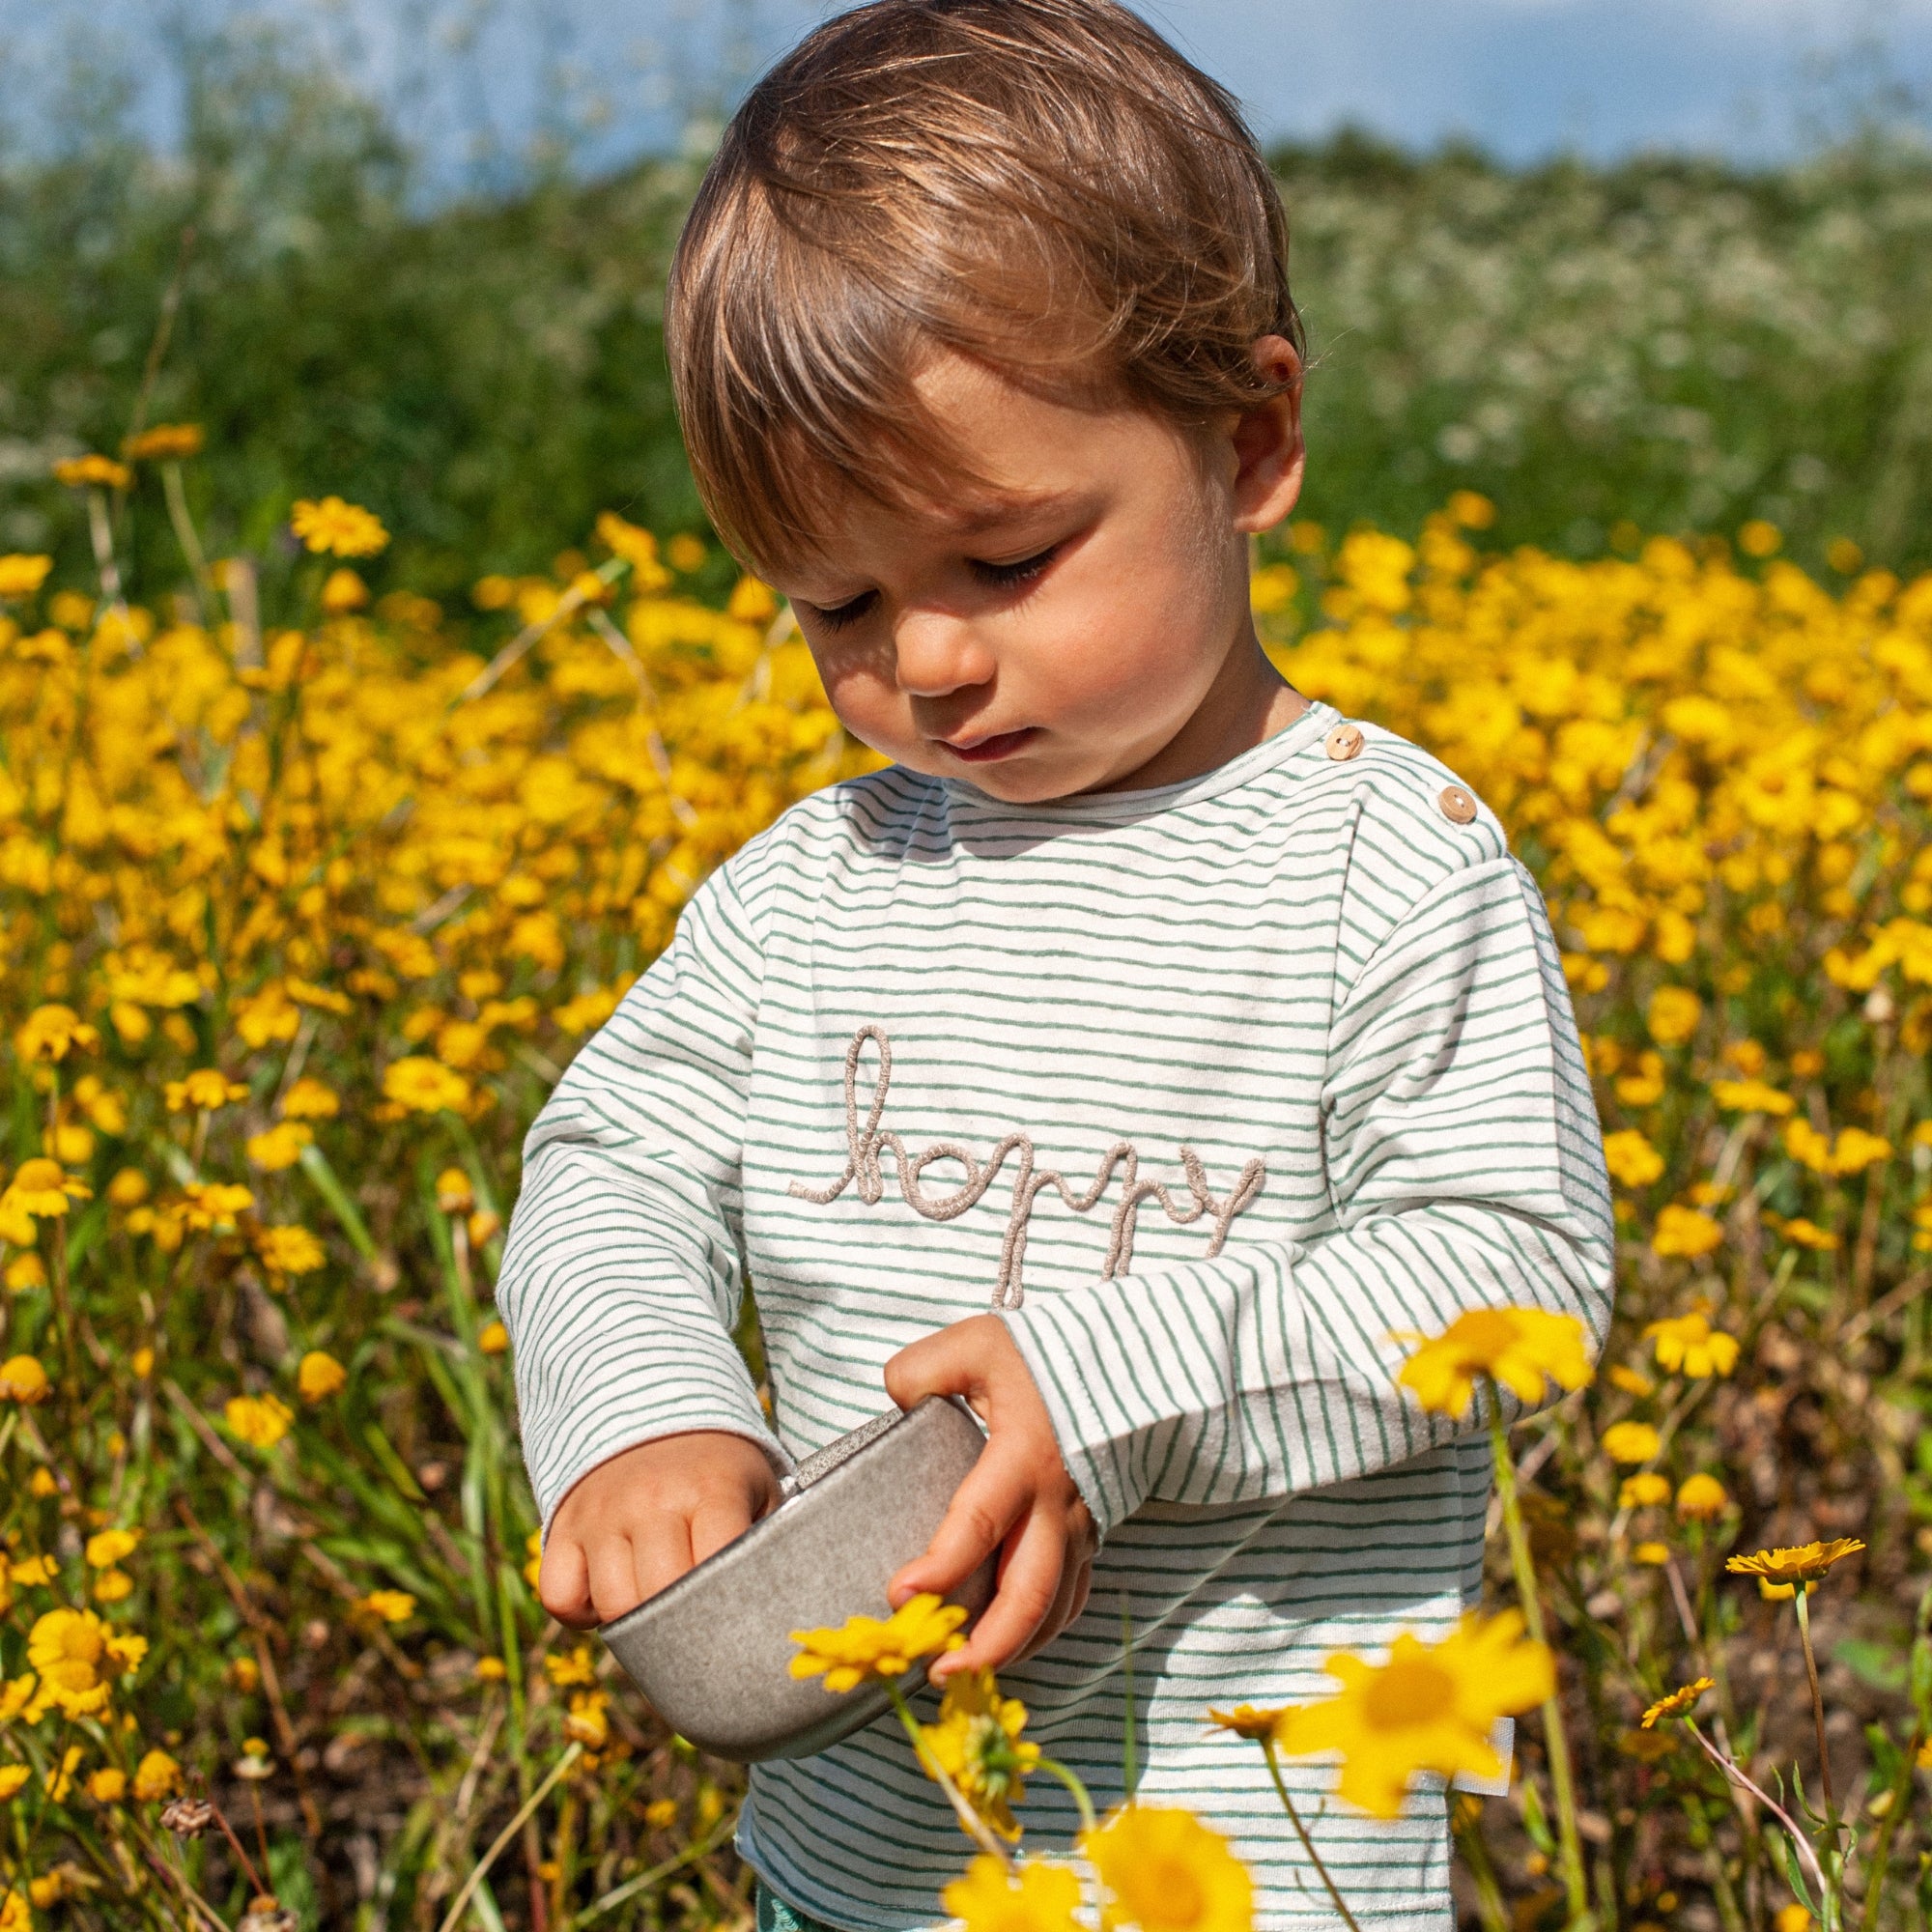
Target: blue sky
column 1749, row 78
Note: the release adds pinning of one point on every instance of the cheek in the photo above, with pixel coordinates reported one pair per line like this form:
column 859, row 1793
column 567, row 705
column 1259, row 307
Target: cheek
column 1132, row 635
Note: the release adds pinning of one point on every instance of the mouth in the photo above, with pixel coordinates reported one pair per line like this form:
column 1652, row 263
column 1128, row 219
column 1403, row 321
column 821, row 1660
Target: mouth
column 988, row 750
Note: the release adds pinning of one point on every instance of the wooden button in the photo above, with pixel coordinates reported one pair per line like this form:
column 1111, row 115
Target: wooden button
column 1343, row 742
column 1458, row 805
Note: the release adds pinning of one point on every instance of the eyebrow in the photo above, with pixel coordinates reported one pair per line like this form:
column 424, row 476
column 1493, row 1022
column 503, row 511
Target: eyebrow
column 1009, row 509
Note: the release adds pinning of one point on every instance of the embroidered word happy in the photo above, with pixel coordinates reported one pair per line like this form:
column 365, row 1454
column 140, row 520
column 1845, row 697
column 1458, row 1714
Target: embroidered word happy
column 865, row 1140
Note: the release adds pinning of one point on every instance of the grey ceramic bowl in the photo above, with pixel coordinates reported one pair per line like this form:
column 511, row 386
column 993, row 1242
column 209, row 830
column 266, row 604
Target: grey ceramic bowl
column 713, row 1651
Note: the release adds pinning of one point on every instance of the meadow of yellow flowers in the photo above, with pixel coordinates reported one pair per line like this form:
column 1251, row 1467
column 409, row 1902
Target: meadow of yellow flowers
column 302, row 909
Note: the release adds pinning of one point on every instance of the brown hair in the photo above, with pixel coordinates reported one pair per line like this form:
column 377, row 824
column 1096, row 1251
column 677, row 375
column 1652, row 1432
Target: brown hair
column 1045, row 186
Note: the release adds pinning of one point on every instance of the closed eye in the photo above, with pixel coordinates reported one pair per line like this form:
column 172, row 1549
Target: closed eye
column 839, row 616
column 1024, row 571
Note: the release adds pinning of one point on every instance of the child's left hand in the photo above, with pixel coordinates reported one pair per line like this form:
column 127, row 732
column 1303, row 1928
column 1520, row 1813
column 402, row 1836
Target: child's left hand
column 1019, row 1498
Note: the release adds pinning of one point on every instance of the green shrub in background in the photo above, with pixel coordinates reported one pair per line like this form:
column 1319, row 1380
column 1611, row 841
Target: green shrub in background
column 1673, row 343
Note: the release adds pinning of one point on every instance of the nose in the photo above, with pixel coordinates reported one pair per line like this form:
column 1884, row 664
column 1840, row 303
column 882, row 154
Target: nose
column 938, row 654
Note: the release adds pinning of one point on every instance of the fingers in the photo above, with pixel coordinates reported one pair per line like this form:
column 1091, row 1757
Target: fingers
column 714, row 1525
column 977, row 1358
column 1069, row 1600
column 659, row 1553
column 983, row 1508
column 563, row 1582
column 1029, row 1584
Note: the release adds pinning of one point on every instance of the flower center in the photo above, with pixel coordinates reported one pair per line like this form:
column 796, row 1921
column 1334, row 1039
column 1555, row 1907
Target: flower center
column 1412, row 1690
column 1167, row 1896
column 1486, row 1333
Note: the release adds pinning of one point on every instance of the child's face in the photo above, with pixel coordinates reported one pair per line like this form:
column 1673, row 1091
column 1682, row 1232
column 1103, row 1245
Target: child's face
column 1084, row 624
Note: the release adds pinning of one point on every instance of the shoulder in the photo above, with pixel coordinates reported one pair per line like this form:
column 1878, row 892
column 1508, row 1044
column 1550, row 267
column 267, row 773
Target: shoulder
column 1405, row 828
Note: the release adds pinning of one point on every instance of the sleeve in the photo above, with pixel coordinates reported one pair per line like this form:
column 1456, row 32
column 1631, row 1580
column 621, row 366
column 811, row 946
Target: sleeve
column 1464, row 1168
column 623, row 1274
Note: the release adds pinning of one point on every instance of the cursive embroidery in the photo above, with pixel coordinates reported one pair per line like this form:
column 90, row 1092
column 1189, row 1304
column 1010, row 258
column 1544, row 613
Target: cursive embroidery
column 865, row 1140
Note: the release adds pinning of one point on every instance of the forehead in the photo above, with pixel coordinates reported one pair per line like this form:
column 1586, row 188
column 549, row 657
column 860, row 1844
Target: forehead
column 999, row 457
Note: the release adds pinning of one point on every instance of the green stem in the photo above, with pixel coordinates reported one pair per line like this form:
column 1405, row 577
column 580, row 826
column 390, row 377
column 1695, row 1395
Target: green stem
column 1301, row 1832
column 1879, row 1865
column 1087, row 1821
column 454, row 1916
column 187, row 537
column 1555, row 1741
column 1800, row 1597
column 971, row 1823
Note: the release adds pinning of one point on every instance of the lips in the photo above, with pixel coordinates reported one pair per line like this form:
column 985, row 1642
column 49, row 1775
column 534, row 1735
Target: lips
column 986, row 751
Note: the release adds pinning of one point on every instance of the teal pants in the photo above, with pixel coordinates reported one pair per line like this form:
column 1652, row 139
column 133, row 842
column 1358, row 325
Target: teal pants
column 776, row 1915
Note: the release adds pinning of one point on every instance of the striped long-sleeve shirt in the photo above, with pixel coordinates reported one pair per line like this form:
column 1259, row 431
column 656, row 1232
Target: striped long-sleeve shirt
column 1208, row 1088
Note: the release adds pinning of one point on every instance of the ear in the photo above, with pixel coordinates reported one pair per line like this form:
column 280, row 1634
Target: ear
column 1268, row 452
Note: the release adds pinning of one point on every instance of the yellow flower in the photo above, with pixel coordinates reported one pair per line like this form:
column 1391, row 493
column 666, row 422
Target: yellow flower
column 337, row 528
column 424, row 1086
column 156, row 1777
column 1431, row 1707
column 1673, row 1014
column 977, row 1744
column 1632, row 1381
column 214, row 1203
column 388, row 1606
column 20, row 576
column 311, row 1100
column 1643, row 1491
column 1519, row 1347
column 533, row 1558
column 1683, row 1231
column 76, row 1657
column 101, row 473
column 490, row 1670
column 868, row 1648
column 52, row 1033
column 343, row 591
column 25, row 1272
column 1037, row 1897
column 1165, row 1871
column 128, row 1188
column 1701, row 1499
column 1246, row 1721
column 15, row 1913
column 107, row 1785
column 1631, row 1158
column 319, row 1376
column 586, row 1723
column 1804, row 1563
column 1631, row 1442
column 204, row 1090
column 454, row 1194
column 13, row 1778
column 1689, row 1345
column 165, row 442
column 1751, row 1096
column 1794, row 1917
column 492, row 1338
column 289, row 1249
column 113, row 1586
column 108, row 1546
column 259, row 1420
column 1677, row 1705
column 23, row 1380
column 1805, row 1233
column 1653, row 1555
column 279, row 1148
column 42, row 1188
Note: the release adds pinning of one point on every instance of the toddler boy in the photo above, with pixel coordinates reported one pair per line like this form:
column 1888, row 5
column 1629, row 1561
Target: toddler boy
column 1130, row 1057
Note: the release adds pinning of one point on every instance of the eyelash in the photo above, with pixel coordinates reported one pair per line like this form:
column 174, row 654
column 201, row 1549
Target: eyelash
column 1002, row 576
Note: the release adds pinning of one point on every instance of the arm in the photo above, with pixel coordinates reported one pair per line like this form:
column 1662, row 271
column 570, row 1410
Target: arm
column 1465, row 1168
column 621, row 1283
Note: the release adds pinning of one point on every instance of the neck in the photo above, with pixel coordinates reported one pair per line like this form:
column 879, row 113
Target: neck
column 1248, row 703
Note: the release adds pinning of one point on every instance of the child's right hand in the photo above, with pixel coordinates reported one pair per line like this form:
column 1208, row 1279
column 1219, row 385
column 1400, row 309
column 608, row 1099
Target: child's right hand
column 642, row 1519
